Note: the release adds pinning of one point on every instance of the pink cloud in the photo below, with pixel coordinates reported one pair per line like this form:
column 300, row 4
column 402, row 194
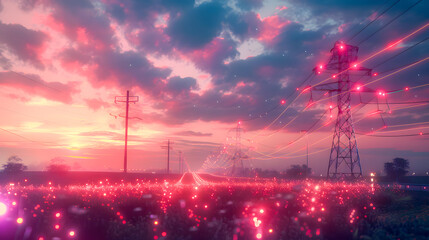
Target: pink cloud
column 271, row 27
column 35, row 86
column 281, row 8
column 96, row 104
column 28, row 45
column 211, row 57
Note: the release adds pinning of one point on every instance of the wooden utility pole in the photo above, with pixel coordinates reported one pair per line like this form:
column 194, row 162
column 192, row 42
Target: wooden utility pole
column 127, row 100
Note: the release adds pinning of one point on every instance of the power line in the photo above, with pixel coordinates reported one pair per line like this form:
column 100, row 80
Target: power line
column 404, row 66
column 391, row 21
column 36, row 81
column 25, row 138
column 415, row 102
column 381, row 14
column 403, row 135
column 407, row 49
column 283, row 101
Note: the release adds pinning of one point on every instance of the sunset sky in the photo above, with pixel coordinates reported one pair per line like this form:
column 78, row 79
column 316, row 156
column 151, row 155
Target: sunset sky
column 199, row 67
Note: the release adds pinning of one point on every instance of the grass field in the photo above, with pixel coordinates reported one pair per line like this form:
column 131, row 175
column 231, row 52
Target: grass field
column 148, row 206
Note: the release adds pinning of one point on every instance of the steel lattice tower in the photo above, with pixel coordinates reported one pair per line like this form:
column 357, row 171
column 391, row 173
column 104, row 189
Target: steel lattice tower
column 237, row 159
column 344, row 158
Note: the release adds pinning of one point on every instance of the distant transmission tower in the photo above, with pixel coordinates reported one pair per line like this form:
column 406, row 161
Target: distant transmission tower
column 237, row 159
column 344, row 157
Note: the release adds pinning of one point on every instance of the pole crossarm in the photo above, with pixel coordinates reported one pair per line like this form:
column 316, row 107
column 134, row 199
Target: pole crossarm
column 131, row 99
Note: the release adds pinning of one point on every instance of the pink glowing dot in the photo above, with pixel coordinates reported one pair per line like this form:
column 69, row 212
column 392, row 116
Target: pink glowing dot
column 19, row 220
column 41, row 238
column 334, row 76
column 261, row 211
column 155, row 237
column 205, row 206
column 407, row 88
column 259, row 236
column 57, row 226
column 323, row 209
column 58, row 215
column 164, row 234
column 71, row 233
column 313, row 199
column 156, row 223
column 3, row 209
column 270, row 230
column 375, row 74
column 321, row 66
column 283, row 101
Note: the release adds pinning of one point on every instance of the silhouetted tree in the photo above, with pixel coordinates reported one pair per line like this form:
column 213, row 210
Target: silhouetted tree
column 298, row 171
column 14, row 165
column 397, row 168
column 57, row 165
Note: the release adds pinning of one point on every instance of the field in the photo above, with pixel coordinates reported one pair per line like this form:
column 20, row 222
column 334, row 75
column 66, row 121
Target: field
column 148, row 206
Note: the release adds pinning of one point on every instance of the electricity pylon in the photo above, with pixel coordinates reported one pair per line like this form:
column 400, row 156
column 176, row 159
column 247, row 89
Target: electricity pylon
column 237, row 158
column 344, row 158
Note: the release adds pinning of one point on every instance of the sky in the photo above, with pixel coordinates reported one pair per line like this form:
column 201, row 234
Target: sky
column 199, row 68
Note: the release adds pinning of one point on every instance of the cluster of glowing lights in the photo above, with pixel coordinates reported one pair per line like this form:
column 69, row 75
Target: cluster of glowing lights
column 202, row 204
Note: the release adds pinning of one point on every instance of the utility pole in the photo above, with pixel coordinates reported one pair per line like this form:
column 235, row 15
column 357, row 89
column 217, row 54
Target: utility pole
column 168, row 147
column 344, row 158
column 127, row 100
